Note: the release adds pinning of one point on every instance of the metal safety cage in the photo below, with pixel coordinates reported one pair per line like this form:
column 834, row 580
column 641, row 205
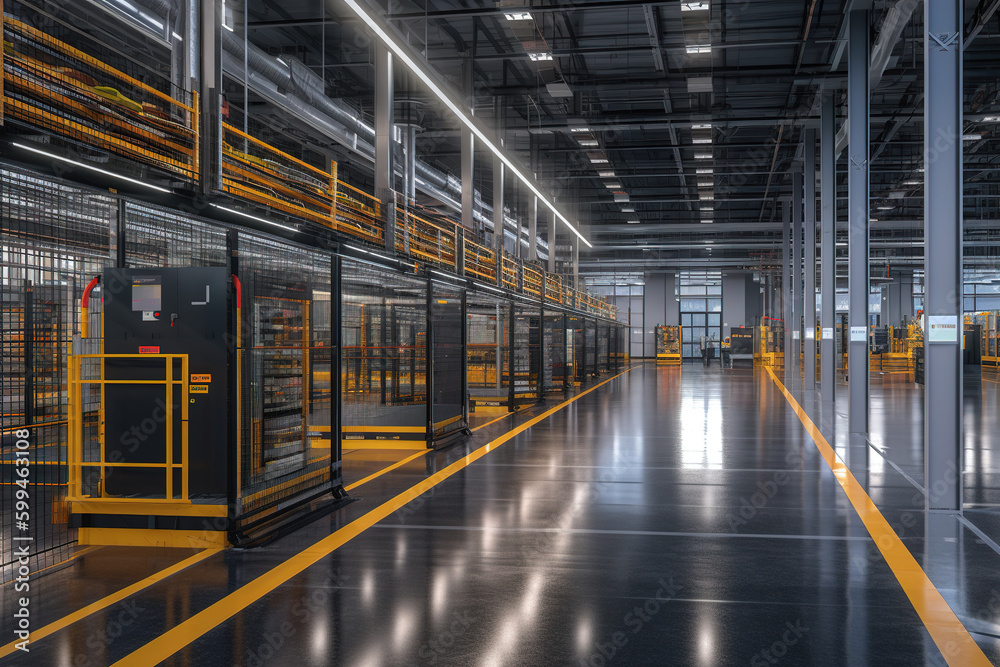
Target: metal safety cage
column 554, row 352
column 447, row 407
column 384, row 357
column 53, row 241
column 525, row 361
column 488, row 352
column 287, row 449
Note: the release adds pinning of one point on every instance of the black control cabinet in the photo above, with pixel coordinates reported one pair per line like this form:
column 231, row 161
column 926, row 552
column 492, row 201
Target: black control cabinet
column 167, row 311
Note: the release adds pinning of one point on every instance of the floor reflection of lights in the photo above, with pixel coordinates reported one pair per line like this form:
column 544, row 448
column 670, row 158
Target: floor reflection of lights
column 701, row 432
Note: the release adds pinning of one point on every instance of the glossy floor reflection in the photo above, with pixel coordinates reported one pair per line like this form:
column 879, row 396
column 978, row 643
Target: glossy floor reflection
column 675, row 516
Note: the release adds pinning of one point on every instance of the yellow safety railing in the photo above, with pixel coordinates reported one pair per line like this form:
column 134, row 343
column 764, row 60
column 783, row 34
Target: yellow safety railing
column 359, row 214
column 78, row 456
column 66, row 92
column 533, row 280
column 510, row 271
column 553, row 288
column 259, row 172
column 424, row 239
column 480, row 262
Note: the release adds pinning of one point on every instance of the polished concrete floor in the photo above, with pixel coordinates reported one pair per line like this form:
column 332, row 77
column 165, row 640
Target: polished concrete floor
column 674, row 516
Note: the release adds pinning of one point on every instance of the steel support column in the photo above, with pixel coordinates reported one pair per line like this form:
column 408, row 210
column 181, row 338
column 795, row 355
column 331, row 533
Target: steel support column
column 576, row 262
column 498, row 204
column 796, row 274
column 943, row 254
column 858, row 218
column 828, row 251
column 809, row 293
column 533, row 230
column 468, row 175
column 384, row 121
column 552, row 244
column 786, row 275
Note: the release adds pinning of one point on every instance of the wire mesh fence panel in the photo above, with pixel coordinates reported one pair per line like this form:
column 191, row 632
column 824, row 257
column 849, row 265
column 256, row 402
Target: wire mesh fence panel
column 285, row 451
column 603, row 334
column 526, row 362
column 447, row 322
column 590, row 348
column 54, row 239
column 159, row 237
column 384, row 359
column 554, row 346
column 487, row 349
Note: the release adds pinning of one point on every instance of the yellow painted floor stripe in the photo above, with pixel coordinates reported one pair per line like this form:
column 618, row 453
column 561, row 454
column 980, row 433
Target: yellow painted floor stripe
column 112, row 599
column 494, row 421
column 191, row 629
column 385, row 470
column 952, row 639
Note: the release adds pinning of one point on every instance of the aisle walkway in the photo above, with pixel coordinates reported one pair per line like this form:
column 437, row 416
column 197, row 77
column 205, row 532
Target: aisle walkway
column 670, row 517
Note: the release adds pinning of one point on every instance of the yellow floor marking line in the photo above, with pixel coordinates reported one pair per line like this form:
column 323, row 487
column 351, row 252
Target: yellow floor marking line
column 182, row 635
column 112, row 599
column 494, row 421
column 952, row 639
column 385, row 470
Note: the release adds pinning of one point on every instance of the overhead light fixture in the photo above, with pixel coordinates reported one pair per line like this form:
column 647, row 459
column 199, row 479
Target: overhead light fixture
column 543, row 55
column 699, row 48
column 628, row 209
column 517, row 16
column 254, row 217
column 972, row 137
column 606, row 173
column 613, row 186
column 579, row 129
column 463, row 116
column 83, row 165
column 705, row 170
column 590, row 143
column 912, row 183
column 702, row 156
column 621, row 197
column 633, row 222
column 701, row 126
column 885, row 208
column 702, row 140
column 707, row 221
column 705, row 184
column 694, row 6
column 707, row 196
column 598, row 160
column 991, row 119
column 707, row 209
column 872, row 219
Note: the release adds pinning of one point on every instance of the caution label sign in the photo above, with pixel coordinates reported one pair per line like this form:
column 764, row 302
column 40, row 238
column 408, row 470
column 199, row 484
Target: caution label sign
column 198, row 389
column 197, row 379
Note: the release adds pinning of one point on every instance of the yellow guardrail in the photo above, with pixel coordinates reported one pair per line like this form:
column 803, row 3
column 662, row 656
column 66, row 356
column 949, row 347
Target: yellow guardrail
column 77, row 415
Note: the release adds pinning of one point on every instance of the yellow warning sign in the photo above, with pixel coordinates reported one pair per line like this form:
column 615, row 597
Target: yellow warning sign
column 198, row 389
column 197, row 379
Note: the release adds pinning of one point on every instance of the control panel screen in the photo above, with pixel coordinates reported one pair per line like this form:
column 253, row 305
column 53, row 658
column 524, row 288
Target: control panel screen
column 146, row 293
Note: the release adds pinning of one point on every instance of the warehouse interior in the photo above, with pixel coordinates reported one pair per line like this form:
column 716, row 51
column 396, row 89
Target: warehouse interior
column 481, row 332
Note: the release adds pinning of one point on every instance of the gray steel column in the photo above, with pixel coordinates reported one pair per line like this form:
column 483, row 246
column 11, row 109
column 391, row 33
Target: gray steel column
column 943, row 254
column 576, row 262
column 552, row 244
column 786, row 275
column 411, row 163
column 796, row 271
column 828, row 252
column 498, row 203
column 533, row 230
column 384, row 121
column 809, row 302
column 468, row 151
column 858, row 216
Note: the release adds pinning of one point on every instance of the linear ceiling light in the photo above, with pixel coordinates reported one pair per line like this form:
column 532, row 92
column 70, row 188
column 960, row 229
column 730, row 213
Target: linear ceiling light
column 455, row 109
column 699, row 48
column 605, row 173
column 702, row 156
column 633, row 222
column 517, row 16
column 53, row 156
column 540, row 56
column 694, row 6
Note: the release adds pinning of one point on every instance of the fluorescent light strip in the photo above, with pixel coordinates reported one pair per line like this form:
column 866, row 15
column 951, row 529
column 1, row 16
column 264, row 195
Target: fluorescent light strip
column 87, row 166
column 254, row 217
column 441, row 95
